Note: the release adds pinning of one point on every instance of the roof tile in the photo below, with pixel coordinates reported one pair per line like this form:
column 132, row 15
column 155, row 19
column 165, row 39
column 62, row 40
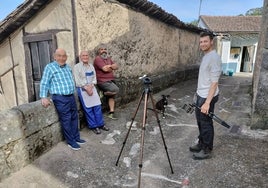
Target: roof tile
column 232, row 23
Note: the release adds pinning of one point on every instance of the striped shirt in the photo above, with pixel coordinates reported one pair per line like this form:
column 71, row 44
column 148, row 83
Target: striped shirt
column 57, row 79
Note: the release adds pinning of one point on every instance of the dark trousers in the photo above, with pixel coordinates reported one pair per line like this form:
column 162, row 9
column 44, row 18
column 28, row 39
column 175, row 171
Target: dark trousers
column 68, row 116
column 93, row 114
column 205, row 123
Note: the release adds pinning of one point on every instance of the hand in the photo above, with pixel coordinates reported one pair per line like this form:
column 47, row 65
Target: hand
column 89, row 89
column 107, row 68
column 114, row 66
column 205, row 108
column 45, row 102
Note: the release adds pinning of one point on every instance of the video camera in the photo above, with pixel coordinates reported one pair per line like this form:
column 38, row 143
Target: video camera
column 146, row 80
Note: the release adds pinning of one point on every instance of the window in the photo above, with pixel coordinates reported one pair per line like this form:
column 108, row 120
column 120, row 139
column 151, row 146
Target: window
column 235, row 52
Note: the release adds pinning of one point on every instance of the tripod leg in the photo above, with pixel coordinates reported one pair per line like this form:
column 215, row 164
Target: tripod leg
column 132, row 120
column 142, row 136
column 162, row 135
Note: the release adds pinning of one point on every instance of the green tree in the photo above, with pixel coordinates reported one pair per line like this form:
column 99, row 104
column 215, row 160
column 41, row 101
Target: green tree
column 195, row 22
column 250, row 12
column 254, row 12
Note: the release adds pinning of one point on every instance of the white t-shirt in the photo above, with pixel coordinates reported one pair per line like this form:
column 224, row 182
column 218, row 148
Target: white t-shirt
column 209, row 71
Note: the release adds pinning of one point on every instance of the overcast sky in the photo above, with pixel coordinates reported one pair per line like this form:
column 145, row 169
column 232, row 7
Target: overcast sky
column 185, row 10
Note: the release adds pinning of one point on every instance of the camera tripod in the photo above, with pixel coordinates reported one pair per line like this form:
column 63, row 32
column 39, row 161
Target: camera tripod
column 146, row 94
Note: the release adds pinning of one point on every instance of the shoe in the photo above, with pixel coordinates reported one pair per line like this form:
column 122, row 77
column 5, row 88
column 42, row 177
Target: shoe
column 80, row 141
column 195, row 148
column 105, row 128
column 112, row 116
column 74, row 146
column 202, row 155
column 96, row 131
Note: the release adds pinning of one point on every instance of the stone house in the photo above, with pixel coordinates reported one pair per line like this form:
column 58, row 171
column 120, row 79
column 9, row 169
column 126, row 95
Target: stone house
column 140, row 36
column 237, row 40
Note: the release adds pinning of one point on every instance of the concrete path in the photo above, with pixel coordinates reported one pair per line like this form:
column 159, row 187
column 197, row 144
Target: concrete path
column 239, row 160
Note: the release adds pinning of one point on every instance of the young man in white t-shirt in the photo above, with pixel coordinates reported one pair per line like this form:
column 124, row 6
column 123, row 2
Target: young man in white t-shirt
column 207, row 95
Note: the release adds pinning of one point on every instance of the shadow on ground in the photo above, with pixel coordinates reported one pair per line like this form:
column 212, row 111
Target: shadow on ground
column 239, row 160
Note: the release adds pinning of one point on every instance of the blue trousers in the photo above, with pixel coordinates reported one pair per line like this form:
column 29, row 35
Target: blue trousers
column 68, row 116
column 205, row 123
column 93, row 114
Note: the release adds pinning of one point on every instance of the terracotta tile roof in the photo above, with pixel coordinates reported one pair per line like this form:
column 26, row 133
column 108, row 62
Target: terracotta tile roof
column 232, row 23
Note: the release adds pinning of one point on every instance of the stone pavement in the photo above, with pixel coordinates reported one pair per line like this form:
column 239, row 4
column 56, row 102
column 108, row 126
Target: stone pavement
column 239, row 160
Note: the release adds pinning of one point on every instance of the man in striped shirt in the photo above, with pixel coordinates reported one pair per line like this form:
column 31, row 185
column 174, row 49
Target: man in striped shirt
column 58, row 80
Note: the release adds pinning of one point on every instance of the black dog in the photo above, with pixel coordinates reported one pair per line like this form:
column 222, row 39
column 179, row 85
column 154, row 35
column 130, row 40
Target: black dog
column 161, row 104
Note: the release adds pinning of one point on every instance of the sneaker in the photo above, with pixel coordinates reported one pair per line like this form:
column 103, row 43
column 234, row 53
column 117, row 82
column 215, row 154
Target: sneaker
column 112, row 116
column 195, row 148
column 96, row 131
column 105, row 128
column 80, row 141
column 202, row 155
column 74, row 146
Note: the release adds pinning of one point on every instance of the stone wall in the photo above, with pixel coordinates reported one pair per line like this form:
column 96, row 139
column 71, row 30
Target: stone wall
column 260, row 88
column 139, row 44
column 27, row 131
column 131, row 88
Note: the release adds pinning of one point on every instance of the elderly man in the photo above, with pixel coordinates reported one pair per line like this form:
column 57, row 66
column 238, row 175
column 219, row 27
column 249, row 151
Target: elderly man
column 58, row 80
column 85, row 79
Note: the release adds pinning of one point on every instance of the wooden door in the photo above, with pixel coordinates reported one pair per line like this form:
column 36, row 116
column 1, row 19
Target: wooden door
column 39, row 52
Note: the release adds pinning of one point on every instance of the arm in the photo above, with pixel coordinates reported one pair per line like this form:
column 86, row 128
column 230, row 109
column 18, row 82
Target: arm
column 109, row 67
column 44, row 87
column 212, row 90
column 79, row 78
column 89, row 86
column 94, row 81
column 214, row 72
column 114, row 66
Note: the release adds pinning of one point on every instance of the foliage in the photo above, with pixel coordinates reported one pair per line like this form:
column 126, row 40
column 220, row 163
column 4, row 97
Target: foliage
column 195, row 22
column 250, row 12
column 254, row 12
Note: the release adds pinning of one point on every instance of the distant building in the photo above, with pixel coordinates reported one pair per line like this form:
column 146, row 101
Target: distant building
column 237, row 40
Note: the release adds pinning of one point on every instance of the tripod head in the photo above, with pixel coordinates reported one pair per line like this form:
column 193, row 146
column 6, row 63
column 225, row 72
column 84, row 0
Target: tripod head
column 146, row 81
